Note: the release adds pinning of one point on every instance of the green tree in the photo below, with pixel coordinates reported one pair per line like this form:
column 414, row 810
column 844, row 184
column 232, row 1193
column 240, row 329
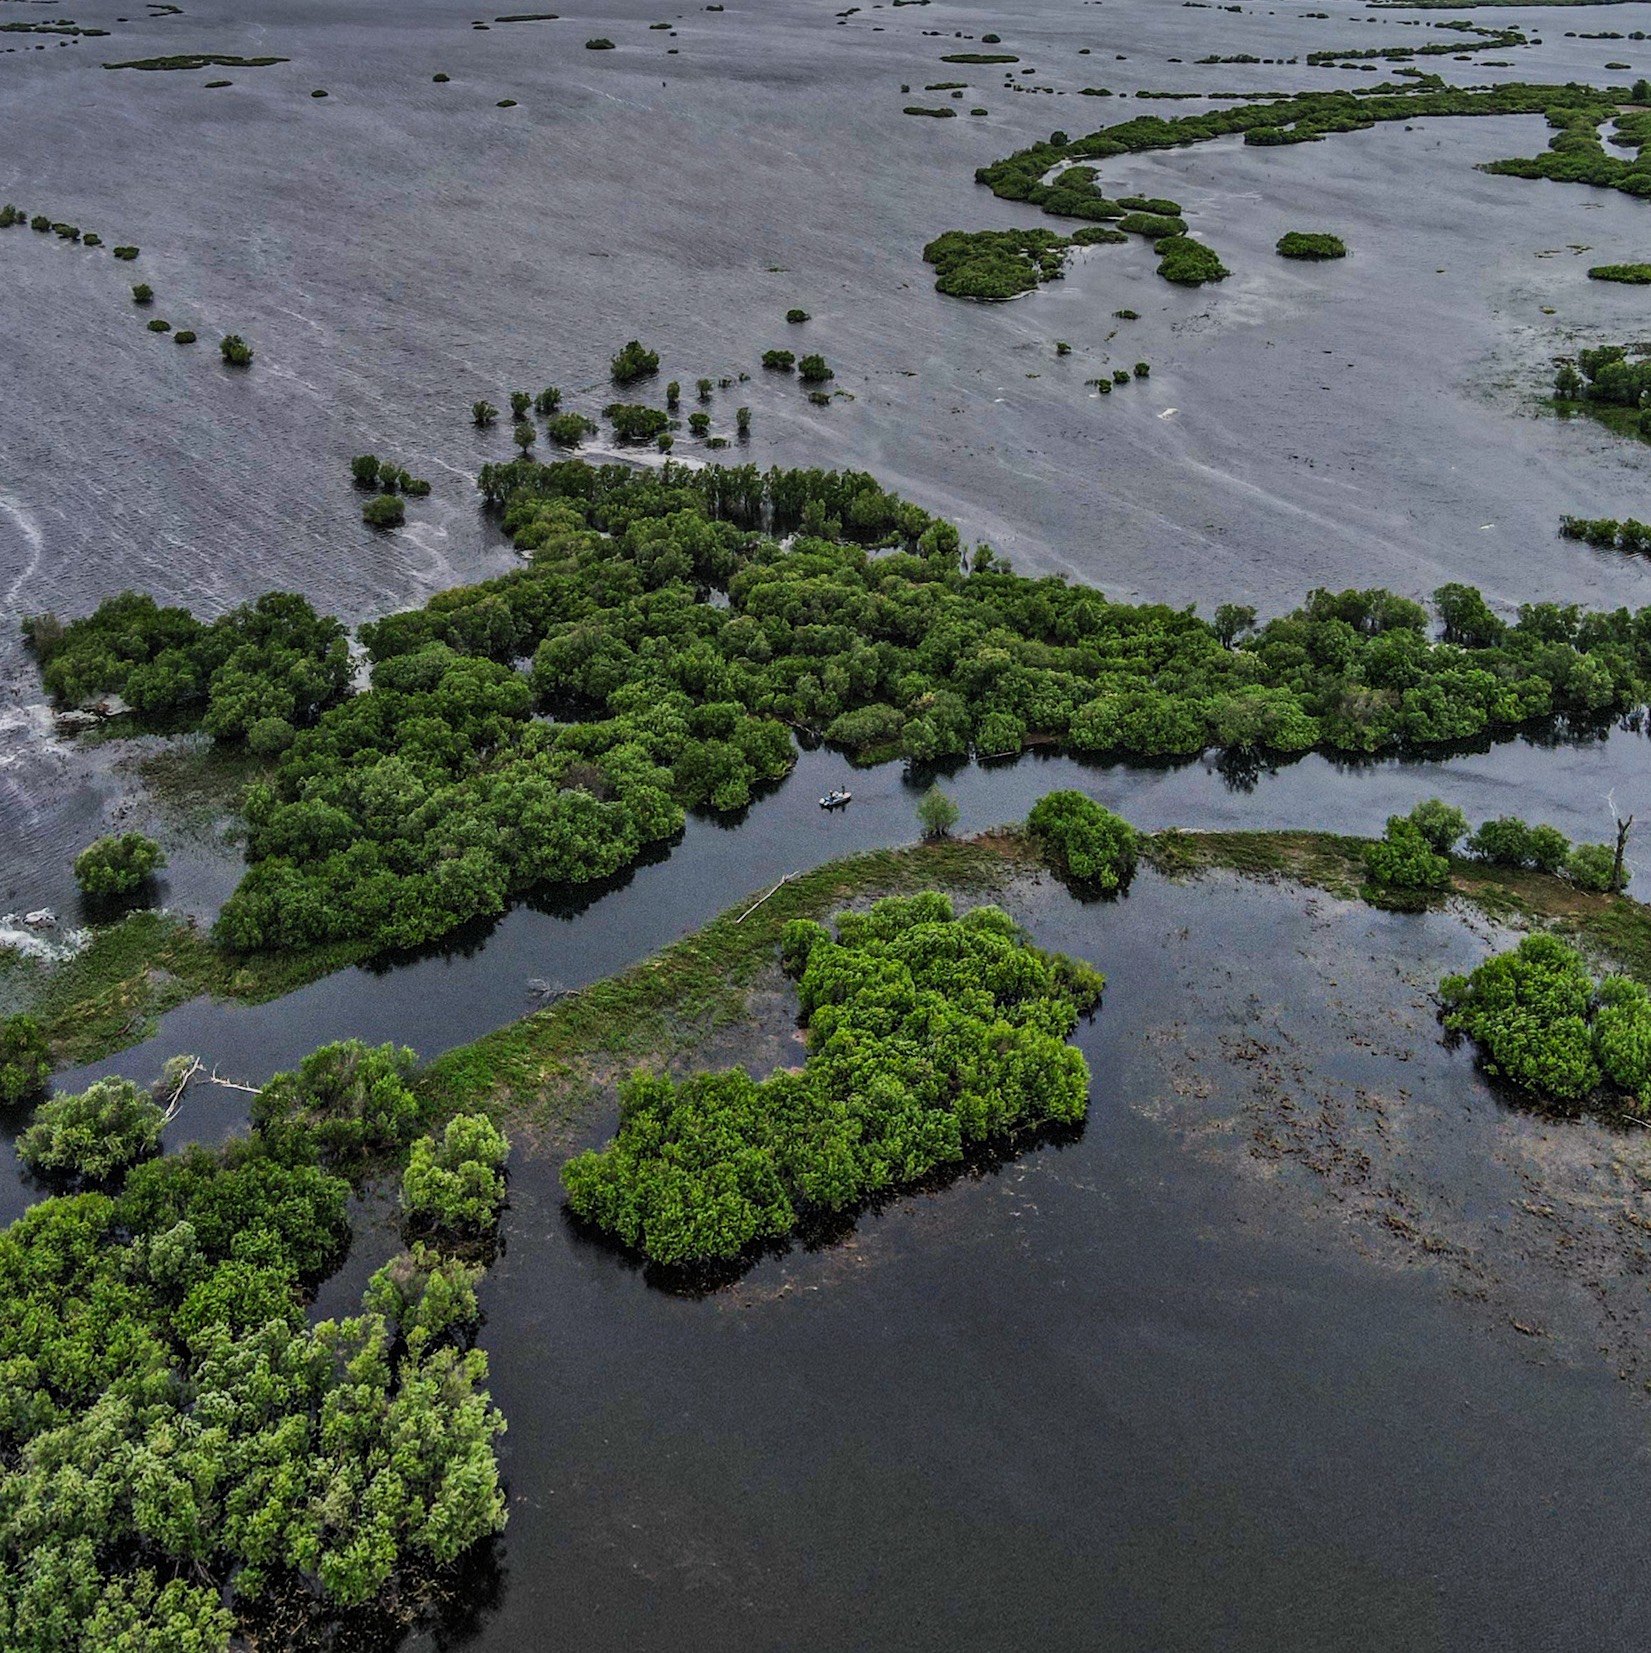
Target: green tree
column 524, row 435
column 384, row 511
column 1403, row 859
column 455, row 1185
column 1083, row 840
column 118, row 864
column 520, row 402
column 25, row 1060
column 235, row 350
column 548, row 400
column 812, row 370
column 483, row 413
column 1441, row 824
column 936, row 813
column 364, row 470
column 95, row 1134
column 634, row 361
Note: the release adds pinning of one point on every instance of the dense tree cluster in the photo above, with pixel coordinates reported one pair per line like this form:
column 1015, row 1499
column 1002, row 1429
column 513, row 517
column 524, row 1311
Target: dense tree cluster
column 271, row 661
column 1608, row 534
column 179, row 1445
column 1000, row 264
column 1576, row 154
column 1084, row 841
column 25, row 1060
column 929, row 1034
column 93, row 1136
column 118, row 864
column 444, row 790
column 1542, row 1021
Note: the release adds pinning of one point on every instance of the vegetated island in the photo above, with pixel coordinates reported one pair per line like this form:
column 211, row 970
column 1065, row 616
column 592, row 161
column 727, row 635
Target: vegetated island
column 198, row 60
column 1310, row 245
column 1609, row 383
column 1631, row 275
column 392, row 814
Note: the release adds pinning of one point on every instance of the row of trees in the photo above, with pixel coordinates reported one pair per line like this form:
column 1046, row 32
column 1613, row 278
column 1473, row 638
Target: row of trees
column 928, row 1035
column 179, row 1446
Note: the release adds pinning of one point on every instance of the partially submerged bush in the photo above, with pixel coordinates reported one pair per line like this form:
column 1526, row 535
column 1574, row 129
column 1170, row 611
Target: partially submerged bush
column 633, row 361
column 25, row 1060
column 779, row 361
column 1084, row 841
column 118, row 864
column 384, row 511
column 483, row 413
column 796, row 315
column 634, row 423
column 143, row 293
column 235, row 350
column 94, row 1135
column 1310, row 244
column 455, row 1185
column 568, row 430
column 812, row 370
column 1188, row 263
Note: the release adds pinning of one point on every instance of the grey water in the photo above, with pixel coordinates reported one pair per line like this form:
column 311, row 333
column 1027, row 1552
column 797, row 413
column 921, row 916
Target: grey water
column 1106, row 1397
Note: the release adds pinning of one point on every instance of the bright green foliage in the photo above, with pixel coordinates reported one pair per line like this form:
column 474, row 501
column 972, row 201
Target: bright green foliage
column 1632, row 275
column 118, row 864
column 547, row 401
column 520, row 402
column 171, row 1426
column 796, row 316
column 1311, row 245
column 779, row 361
column 634, row 361
column 634, row 423
column 1617, row 375
column 1594, row 867
column 812, row 370
column 345, row 1101
column 364, row 470
column 936, row 813
column 275, row 657
column 1403, row 859
column 1541, row 1023
column 425, row 1295
column 483, row 413
column 25, row 1060
column 94, row 1135
column 928, row 1034
column 568, row 430
column 235, row 350
column 456, row 1185
column 995, row 264
column 1084, row 841
column 1441, row 824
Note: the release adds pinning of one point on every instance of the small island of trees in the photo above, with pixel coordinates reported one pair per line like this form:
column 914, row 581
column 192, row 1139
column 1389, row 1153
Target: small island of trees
column 1310, row 245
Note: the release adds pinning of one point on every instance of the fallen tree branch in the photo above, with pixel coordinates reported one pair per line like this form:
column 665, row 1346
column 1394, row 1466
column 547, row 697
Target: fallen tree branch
column 756, row 904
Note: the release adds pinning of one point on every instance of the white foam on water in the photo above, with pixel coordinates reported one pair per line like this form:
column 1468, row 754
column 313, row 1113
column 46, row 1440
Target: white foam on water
column 34, row 538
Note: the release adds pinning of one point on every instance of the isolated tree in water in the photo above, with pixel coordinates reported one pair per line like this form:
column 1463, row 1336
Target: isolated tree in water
column 936, row 813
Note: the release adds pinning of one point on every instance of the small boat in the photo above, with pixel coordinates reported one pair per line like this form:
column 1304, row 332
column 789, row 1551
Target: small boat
column 835, row 798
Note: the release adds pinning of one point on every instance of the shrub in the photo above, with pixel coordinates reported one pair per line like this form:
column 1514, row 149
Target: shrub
column 524, row 434
column 673, row 394
column 569, row 429
column 634, row 423
column 441, row 80
column 1441, row 824
column 547, row 401
column 344, row 1101
column 235, row 350
column 1504, row 842
column 699, row 423
column 779, row 361
column 796, row 315
column 184, row 335
column 634, row 361
column 364, row 470
column 742, row 421
column 1305, row 244
column 936, row 813
column 483, row 413
column 118, row 864
column 384, row 511
column 1188, row 263
column 42, row 225
column 25, row 1060
column 1126, row 315
column 599, row 45
column 1593, row 867
column 820, row 398
column 1402, row 859
column 95, row 1135
column 124, row 254
column 1083, row 841
column 456, row 1185
column 156, row 325
column 425, row 1295
column 520, row 403
column 319, row 92
column 143, row 293
column 812, row 370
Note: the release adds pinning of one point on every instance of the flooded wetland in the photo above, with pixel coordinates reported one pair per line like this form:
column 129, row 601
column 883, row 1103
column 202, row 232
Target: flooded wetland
column 1305, row 1328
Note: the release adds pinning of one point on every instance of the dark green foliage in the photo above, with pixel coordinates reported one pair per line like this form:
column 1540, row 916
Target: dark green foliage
column 483, row 413
column 25, row 1060
column 633, row 423
column 319, row 92
column 42, row 225
column 1468, row 618
column 1084, row 842
column 812, row 370
column 364, row 470
column 272, row 658
column 1541, row 1022
column 1188, row 263
column 384, row 511
column 125, row 254
column 1441, row 824
column 1126, row 315
column 344, row 1103
column 1607, row 534
column 568, row 430
column 1142, row 370
column 779, row 361
column 1150, row 203
column 704, row 387
column 1154, row 226
column 454, row 1185
column 520, row 403
column 157, row 325
column 235, row 350
column 919, row 109
column 547, row 401
column 441, row 80
column 1232, row 620
column 796, row 315
column 599, row 45
column 980, row 57
column 94, row 1136
column 91, row 240
column 505, row 103
column 524, row 434
column 995, row 264
column 1509, row 842
column 198, row 60
column 118, row 864
column 184, row 335
column 634, row 361
column 1310, row 244
column 699, row 424
column 1632, row 275
column 1593, row 867
column 742, row 421
column 928, row 1035
column 1120, row 375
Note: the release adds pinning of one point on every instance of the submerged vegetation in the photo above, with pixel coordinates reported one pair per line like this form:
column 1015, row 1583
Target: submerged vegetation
column 929, row 1035
column 437, row 795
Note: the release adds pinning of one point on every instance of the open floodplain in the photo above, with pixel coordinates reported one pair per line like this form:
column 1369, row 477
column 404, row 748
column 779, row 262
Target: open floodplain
column 1311, row 1334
